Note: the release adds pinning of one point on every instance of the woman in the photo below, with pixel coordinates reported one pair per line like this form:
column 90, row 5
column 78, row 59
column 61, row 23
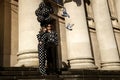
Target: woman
column 42, row 50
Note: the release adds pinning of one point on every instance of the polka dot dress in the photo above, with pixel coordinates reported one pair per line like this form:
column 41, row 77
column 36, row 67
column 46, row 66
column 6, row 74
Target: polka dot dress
column 42, row 52
column 52, row 38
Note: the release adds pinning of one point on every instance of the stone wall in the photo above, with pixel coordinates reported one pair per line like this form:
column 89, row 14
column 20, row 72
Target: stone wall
column 1, row 30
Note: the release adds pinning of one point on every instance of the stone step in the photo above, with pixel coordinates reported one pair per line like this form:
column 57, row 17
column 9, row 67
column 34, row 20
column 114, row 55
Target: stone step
column 33, row 74
column 18, row 69
column 48, row 77
column 22, row 73
column 18, row 73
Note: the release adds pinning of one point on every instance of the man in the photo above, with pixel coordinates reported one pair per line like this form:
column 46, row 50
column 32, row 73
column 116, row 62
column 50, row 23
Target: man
column 52, row 42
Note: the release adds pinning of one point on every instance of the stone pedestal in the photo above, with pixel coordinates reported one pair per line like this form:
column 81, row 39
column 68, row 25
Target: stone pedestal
column 78, row 43
column 28, row 29
column 108, row 49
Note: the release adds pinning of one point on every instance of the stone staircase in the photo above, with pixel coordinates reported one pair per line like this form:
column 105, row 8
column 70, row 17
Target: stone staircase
column 23, row 73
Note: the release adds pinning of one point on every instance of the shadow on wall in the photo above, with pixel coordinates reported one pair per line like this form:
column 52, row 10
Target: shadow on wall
column 16, row 0
column 78, row 2
column 87, row 1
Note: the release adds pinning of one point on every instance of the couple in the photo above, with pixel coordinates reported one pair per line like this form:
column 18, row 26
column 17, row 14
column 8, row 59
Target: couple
column 48, row 40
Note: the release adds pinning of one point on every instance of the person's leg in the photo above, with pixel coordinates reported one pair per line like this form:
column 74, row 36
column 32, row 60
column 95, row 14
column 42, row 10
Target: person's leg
column 49, row 60
column 54, row 59
column 42, row 65
column 41, row 59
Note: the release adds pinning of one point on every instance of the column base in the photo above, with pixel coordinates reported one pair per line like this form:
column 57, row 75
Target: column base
column 27, row 59
column 82, row 64
column 111, row 66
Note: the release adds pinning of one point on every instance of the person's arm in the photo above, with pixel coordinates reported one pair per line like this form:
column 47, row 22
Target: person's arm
column 39, row 36
column 39, row 39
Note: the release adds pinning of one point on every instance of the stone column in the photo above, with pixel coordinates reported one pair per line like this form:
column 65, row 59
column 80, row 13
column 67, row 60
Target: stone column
column 28, row 29
column 78, row 43
column 109, row 54
column 117, row 2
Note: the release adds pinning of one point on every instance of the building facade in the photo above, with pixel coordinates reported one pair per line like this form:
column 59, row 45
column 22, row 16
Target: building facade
column 93, row 42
